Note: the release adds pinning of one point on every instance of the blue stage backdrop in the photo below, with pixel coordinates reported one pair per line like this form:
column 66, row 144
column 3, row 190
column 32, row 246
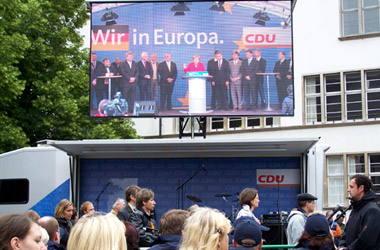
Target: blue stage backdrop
column 222, row 175
column 152, row 27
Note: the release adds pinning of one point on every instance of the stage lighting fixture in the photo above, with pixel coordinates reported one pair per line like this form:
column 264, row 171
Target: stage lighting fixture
column 261, row 17
column 218, row 6
column 109, row 17
column 179, row 13
column 180, row 8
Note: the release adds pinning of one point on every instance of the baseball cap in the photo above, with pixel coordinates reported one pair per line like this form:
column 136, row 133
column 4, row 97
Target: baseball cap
column 248, row 232
column 306, row 197
column 317, row 225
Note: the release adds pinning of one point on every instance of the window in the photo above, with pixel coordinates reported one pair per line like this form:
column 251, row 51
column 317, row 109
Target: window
column 360, row 17
column 253, row 122
column 313, row 100
column 341, row 168
column 333, row 98
column 353, row 89
column 14, row 191
column 335, row 180
column 234, row 123
column 373, row 94
column 347, row 96
column 217, row 123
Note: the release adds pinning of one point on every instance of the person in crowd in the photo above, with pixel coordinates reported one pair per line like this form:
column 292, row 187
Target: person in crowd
column 247, row 234
column 75, row 215
column 132, row 235
column 118, row 205
column 220, row 79
column 342, row 225
column 33, row 215
column 289, row 74
column 18, row 231
column 260, row 78
column 212, row 66
column 142, row 218
column 87, row 207
column 363, row 227
column 195, row 66
column 98, row 232
column 115, row 67
column 52, row 228
column 102, row 84
column 145, row 77
column 281, row 67
column 207, row 229
column 316, row 234
column 63, row 212
column 45, row 236
column 287, row 104
column 192, row 209
column 95, row 64
column 297, row 218
column 130, row 73
column 335, row 228
column 249, row 200
column 249, row 69
column 154, row 80
column 130, row 197
column 168, row 75
column 235, row 81
column 171, row 226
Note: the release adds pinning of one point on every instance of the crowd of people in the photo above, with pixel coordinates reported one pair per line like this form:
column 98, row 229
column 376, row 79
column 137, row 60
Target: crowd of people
column 231, row 81
column 131, row 224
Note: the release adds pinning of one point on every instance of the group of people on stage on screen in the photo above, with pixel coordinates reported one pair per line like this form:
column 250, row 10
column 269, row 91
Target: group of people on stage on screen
column 236, row 84
column 131, row 224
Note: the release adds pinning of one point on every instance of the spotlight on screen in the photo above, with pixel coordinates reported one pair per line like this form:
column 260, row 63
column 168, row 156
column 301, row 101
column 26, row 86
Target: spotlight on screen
column 286, row 22
column 261, row 17
column 218, row 6
column 109, row 17
column 180, row 8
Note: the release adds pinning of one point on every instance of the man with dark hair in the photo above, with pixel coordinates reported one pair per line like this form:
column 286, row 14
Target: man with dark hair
column 281, row 67
column 297, row 219
column 130, row 73
column 220, row 80
column 260, row 78
column 143, row 219
column 363, row 227
column 130, row 197
column 212, row 66
column 52, row 228
column 171, row 226
column 249, row 69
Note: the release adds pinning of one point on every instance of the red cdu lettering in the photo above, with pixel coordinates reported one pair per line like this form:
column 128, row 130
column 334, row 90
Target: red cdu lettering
column 259, row 38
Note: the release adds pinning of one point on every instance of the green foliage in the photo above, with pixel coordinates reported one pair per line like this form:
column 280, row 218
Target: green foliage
column 44, row 72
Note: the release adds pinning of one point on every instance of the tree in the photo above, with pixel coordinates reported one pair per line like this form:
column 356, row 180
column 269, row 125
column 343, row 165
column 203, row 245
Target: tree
column 45, row 76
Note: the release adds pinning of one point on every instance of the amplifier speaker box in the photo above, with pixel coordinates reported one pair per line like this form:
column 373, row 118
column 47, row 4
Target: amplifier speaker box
column 276, row 235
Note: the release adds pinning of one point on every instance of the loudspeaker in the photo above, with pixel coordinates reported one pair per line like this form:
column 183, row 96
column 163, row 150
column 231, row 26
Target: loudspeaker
column 276, row 235
column 145, row 108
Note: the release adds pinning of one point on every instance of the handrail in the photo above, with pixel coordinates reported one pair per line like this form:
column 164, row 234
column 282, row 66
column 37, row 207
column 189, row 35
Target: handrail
column 277, row 246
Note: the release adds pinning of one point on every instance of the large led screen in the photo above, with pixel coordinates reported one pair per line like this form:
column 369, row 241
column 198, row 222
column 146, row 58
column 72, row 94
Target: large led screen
column 171, row 59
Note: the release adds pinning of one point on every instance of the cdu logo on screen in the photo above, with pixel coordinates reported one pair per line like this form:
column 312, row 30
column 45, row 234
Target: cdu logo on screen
column 104, row 37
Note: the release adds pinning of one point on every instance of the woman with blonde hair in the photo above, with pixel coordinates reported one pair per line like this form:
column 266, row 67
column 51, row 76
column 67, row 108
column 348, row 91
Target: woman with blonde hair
column 98, row 232
column 206, row 229
column 63, row 212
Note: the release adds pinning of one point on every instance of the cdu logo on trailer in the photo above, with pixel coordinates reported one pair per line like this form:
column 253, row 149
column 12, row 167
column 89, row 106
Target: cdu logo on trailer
column 104, row 37
column 278, row 177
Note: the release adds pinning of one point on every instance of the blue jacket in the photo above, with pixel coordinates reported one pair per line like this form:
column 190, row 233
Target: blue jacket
column 167, row 242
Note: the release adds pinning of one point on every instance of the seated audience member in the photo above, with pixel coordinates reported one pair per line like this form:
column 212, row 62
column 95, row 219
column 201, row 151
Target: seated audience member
column 18, row 231
column 118, row 205
column 335, row 228
column 142, row 218
column 130, row 197
column 86, row 208
column 33, row 215
column 247, row 234
column 132, row 235
column 171, row 226
column 98, row 232
column 63, row 213
column 52, row 228
column 316, row 234
column 207, row 229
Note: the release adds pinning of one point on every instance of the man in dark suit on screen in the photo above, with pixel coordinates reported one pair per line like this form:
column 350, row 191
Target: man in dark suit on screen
column 281, row 67
column 260, row 78
column 212, row 66
column 130, row 72
column 168, row 74
column 221, row 82
column 95, row 65
column 145, row 76
column 249, row 69
column 115, row 68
